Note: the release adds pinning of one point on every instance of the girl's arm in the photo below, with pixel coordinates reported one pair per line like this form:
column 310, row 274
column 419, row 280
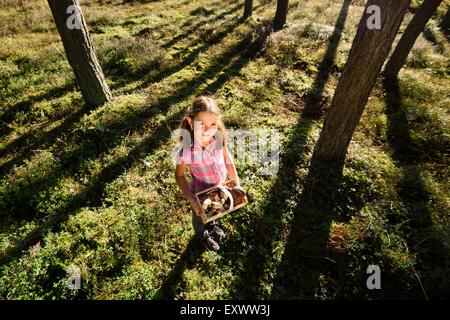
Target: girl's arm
column 181, row 182
column 231, row 168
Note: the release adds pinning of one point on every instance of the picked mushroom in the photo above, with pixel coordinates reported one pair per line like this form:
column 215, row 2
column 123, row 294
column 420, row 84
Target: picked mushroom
column 206, row 203
column 216, row 205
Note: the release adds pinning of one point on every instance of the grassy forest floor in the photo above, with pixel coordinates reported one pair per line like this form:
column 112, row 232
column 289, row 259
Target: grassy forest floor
column 95, row 187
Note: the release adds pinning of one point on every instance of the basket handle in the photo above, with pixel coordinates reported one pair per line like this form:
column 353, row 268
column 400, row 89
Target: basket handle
column 228, row 193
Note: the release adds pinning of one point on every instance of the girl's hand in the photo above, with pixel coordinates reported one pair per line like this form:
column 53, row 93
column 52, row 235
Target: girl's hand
column 234, row 183
column 196, row 207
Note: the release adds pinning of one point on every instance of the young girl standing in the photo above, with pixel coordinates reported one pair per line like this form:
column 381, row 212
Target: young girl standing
column 204, row 152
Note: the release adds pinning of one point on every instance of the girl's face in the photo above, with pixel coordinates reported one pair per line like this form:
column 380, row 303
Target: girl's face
column 204, row 125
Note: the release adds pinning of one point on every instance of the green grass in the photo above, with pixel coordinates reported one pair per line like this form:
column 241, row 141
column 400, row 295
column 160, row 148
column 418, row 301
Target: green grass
column 95, row 187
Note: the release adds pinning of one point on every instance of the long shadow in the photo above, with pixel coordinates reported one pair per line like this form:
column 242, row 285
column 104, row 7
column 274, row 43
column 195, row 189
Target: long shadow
column 306, row 256
column 25, row 144
column 191, row 56
column 315, row 100
column 192, row 252
column 267, row 230
column 430, row 35
column 49, row 137
column 195, row 27
column 147, row 30
column 444, row 25
column 71, row 162
column 9, row 115
column 171, row 285
column 415, row 195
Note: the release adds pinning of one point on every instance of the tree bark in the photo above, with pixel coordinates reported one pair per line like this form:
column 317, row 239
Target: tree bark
column 367, row 54
column 248, row 8
column 409, row 37
column 80, row 52
column 280, row 14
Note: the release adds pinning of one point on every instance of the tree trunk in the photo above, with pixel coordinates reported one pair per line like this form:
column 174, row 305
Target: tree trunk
column 80, row 51
column 280, row 15
column 369, row 50
column 248, row 8
column 409, row 37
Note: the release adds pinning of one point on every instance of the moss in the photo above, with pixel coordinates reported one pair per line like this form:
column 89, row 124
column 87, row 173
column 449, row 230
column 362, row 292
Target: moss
column 94, row 187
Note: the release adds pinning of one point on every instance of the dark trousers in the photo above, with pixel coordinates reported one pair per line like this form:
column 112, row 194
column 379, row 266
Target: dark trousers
column 199, row 226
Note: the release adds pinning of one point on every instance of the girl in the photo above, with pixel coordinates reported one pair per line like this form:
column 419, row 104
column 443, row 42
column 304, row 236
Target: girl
column 204, row 151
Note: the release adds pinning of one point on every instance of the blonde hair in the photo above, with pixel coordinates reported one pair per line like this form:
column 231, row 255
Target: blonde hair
column 202, row 104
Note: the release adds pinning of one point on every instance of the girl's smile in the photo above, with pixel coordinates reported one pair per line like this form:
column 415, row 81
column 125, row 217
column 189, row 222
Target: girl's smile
column 205, row 127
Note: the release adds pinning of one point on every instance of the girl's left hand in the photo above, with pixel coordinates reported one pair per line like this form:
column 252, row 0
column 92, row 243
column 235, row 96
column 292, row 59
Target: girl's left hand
column 234, row 183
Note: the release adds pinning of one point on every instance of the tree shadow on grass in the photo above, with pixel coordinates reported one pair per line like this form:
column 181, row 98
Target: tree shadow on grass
column 188, row 56
column 191, row 254
column 266, row 231
column 187, row 260
column 49, row 137
column 25, row 145
column 17, row 203
column 315, row 100
column 421, row 234
column 444, row 25
column 9, row 115
column 432, row 36
column 198, row 25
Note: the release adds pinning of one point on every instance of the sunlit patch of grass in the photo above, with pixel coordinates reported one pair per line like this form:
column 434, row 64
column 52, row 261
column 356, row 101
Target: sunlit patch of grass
column 101, row 194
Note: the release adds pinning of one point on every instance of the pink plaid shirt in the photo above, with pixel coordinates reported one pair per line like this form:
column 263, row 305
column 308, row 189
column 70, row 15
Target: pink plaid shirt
column 206, row 165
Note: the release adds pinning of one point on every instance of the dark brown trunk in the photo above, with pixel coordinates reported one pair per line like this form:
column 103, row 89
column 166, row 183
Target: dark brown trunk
column 409, row 37
column 80, row 52
column 369, row 50
column 280, row 14
column 248, row 8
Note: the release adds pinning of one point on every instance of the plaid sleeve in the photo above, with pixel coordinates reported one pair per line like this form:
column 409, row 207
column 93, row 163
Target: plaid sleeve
column 183, row 156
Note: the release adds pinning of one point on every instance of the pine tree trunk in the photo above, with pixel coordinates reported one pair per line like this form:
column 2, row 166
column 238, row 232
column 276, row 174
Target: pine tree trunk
column 369, row 50
column 409, row 37
column 80, row 52
column 248, row 8
column 280, row 14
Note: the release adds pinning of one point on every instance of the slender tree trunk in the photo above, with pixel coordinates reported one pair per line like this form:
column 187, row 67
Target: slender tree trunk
column 80, row 51
column 369, row 50
column 409, row 37
column 280, row 14
column 248, row 8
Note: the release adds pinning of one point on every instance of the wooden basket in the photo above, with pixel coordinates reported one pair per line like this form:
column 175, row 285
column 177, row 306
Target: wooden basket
column 219, row 188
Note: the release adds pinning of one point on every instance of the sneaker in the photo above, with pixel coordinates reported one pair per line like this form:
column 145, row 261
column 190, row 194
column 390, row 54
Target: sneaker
column 209, row 242
column 217, row 233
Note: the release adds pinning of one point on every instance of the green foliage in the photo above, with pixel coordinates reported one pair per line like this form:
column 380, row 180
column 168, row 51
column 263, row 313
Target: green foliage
column 95, row 188
column 132, row 56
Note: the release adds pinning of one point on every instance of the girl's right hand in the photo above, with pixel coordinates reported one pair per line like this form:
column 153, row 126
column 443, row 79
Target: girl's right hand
column 197, row 208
